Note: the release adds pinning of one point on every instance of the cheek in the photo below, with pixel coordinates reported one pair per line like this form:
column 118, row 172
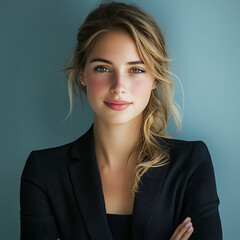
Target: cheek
column 95, row 86
column 142, row 89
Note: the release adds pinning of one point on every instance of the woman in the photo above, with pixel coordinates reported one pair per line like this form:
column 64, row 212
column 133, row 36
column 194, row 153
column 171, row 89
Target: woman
column 125, row 178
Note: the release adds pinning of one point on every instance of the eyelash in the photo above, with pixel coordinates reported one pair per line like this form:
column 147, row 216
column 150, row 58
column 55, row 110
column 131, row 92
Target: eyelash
column 133, row 70
column 99, row 69
column 139, row 70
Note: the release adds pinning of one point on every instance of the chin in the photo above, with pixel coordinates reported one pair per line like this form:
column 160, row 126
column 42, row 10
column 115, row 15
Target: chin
column 116, row 121
column 119, row 120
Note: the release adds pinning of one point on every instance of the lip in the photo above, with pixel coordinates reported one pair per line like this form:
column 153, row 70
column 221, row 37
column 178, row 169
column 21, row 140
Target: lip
column 117, row 102
column 117, row 105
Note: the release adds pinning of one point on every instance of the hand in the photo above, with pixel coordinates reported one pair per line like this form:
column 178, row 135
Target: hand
column 183, row 231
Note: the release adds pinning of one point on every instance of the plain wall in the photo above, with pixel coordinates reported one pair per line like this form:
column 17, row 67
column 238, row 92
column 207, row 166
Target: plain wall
column 36, row 37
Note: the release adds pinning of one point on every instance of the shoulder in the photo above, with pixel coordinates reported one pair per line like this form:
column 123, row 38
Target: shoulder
column 183, row 146
column 186, row 154
column 60, row 151
column 48, row 158
column 56, row 159
column 61, row 156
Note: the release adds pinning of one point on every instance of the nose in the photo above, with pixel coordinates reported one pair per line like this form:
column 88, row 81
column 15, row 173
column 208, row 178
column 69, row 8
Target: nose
column 118, row 84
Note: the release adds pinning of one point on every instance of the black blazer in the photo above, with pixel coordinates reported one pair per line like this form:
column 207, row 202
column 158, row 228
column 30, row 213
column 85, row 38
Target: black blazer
column 61, row 194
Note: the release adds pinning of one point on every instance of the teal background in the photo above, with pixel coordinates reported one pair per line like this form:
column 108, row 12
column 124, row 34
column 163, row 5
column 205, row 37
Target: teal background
column 37, row 36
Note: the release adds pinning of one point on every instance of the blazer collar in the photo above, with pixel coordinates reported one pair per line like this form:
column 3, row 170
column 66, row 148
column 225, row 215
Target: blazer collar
column 86, row 181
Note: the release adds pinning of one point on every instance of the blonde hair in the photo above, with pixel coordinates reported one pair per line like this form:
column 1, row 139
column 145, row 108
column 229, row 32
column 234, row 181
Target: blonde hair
column 152, row 49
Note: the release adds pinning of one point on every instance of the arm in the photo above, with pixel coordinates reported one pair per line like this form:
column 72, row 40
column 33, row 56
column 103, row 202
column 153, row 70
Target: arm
column 200, row 199
column 37, row 219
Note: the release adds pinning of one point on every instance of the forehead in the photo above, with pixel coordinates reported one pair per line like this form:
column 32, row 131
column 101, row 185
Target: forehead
column 117, row 45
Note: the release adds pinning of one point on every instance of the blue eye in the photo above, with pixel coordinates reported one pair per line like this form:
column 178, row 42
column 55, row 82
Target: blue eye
column 137, row 70
column 101, row 69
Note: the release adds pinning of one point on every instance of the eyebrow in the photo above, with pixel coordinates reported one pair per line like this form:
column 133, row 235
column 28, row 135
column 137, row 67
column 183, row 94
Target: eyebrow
column 109, row 62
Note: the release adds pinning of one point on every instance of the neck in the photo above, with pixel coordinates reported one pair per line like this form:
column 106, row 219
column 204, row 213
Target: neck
column 114, row 143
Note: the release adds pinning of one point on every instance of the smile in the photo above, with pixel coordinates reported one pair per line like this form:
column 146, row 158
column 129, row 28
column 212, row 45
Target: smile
column 117, row 105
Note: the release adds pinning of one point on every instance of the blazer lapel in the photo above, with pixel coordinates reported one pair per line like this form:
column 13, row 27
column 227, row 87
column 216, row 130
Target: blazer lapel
column 86, row 180
column 87, row 186
column 146, row 201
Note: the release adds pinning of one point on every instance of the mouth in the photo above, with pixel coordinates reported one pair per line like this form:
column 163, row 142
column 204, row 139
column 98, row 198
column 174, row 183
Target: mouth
column 117, row 105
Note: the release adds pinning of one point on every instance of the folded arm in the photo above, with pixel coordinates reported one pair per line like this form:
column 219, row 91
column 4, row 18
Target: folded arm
column 200, row 199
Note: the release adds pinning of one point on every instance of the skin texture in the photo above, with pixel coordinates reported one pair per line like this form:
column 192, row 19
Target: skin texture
column 118, row 79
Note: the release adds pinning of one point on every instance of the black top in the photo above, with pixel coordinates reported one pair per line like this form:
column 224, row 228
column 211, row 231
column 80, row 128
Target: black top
column 120, row 226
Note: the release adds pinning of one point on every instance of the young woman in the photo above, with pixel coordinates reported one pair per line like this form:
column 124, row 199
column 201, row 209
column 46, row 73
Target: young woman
column 125, row 178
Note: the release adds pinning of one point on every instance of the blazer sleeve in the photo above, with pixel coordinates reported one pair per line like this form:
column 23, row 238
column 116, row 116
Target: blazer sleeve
column 37, row 219
column 200, row 198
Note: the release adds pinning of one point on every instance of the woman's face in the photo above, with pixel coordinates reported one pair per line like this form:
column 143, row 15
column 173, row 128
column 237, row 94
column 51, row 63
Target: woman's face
column 117, row 82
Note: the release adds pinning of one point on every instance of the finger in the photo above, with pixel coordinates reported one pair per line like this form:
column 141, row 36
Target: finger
column 185, row 232
column 188, row 233
column 188, row 219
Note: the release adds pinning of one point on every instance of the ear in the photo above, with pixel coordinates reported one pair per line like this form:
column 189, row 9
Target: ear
column 155, row 83
column 82, row 78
